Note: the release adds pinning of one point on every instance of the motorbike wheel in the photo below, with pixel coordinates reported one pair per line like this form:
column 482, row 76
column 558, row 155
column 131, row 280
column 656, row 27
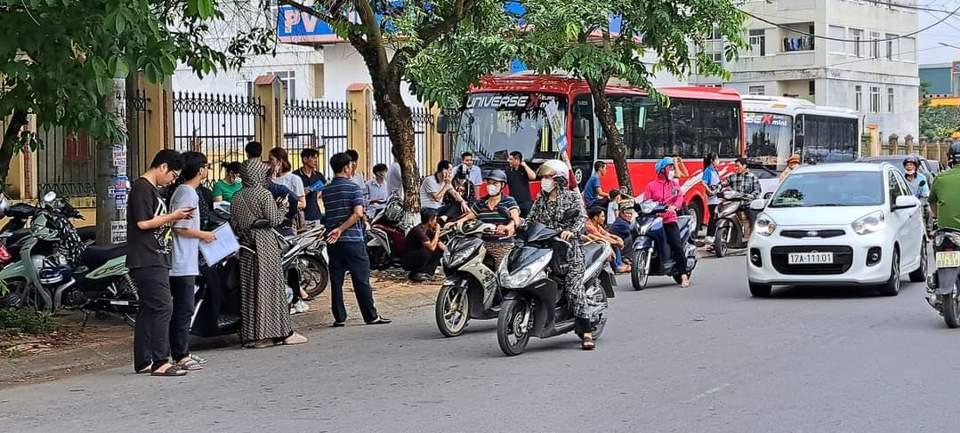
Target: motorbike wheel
column 920, row 275
column 508, row 325
column 453, row 308
column 640, row 272
column 379, row 259
column 314, row 275
column 720, row 238
column 598, row 329
column 951, row 311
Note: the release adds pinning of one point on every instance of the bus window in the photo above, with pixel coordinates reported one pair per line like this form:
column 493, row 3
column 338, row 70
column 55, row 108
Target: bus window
column 583, row 147
column 687, row 127
column 644, row 127
column 719, row 129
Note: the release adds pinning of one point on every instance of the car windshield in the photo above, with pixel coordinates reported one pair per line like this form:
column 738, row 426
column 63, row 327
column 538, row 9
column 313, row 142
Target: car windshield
column 858, row 188
column 494, row 124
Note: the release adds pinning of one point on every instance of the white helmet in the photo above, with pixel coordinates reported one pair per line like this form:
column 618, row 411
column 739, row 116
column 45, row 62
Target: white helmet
column 557, row 167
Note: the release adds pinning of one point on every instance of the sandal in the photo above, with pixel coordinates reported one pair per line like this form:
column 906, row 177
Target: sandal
column 380, row 320
column 293, row 339
column 189, row 364
column 588, row 343
column 171, row 371
column 199, row 360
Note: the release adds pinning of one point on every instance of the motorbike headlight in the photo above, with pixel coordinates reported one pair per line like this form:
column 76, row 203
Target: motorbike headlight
column 869, row 223
column 524, row 276
column 765, row 225
column 457, row 258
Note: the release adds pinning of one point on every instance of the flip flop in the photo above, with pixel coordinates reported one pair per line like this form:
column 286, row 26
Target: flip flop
column 171, row 371
column 380, row 321
column 588, row 344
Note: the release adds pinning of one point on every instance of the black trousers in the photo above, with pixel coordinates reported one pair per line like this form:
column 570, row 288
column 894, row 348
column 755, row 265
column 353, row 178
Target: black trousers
column 524, row 208
column 182, row 289
column 151, row 335
column 422, row 261
column 712, row 225
column 676, row 248
column 352, row 257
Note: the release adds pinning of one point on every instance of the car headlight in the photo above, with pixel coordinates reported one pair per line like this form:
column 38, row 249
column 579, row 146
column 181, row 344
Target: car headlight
column 765, row 225
column 869, row 223
column 524, row 276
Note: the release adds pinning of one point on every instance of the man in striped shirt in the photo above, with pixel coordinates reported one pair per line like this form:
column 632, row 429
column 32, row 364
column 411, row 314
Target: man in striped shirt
column 344, row 201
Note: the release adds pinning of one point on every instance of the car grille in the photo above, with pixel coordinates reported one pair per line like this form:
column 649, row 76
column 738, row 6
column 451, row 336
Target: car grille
column 823, row 234
column 842, row 259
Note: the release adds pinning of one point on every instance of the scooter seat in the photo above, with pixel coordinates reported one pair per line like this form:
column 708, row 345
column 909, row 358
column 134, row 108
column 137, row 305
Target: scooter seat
column 96, row 255
column 592, row 252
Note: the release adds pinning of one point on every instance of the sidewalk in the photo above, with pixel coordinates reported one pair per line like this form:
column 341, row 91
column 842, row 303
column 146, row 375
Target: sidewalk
column 108, row 343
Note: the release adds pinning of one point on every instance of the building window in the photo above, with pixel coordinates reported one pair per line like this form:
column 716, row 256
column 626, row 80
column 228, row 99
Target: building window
column 758, row 43
column 289, row 79
column 246, row 87
column 908, row 49
column 891, row 46
column 874, row 99
column 812, row 87
column 858, row 98
column 857, row 36
column 713, row 46
column 875, row 45
column 890, row 100
column 757, row 90
column 838, row 47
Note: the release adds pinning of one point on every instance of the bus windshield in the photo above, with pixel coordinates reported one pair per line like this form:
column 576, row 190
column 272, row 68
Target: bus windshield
column 494, row 124
column 769, row 140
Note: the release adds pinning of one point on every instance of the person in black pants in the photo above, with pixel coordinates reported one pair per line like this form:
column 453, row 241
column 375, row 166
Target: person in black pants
column 148, row 258
column 424, row 249
column 344, row 201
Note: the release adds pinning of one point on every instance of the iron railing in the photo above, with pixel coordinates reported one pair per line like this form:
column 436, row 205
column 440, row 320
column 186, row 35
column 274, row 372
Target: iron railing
column 382, row 144
column 219, row 126
column 316, row 124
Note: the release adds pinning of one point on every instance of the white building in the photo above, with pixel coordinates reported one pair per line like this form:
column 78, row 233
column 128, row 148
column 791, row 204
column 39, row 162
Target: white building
column 869, row 65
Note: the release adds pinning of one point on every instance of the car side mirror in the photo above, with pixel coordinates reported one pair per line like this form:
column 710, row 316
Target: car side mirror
column 906, row 202
column 443, row 124
column 758, row 204
column 580, row 128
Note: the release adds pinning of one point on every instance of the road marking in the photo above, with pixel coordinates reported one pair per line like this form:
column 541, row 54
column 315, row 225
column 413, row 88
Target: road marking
column 708, row 392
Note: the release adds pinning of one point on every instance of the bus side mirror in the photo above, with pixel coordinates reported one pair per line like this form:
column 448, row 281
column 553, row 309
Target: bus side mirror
column 580, row 127
column 443, row 124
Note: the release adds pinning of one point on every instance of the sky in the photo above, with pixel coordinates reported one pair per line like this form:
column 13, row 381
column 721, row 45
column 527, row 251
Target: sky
column 930, row 50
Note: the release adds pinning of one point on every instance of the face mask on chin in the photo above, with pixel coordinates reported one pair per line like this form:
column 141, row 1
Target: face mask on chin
column 548, row 185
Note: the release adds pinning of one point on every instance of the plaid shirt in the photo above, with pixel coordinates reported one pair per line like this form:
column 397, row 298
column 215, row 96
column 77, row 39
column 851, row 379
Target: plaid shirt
column 746, row 183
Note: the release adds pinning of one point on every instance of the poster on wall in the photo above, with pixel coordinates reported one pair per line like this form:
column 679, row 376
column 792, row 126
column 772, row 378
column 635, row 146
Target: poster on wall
column 118, row 232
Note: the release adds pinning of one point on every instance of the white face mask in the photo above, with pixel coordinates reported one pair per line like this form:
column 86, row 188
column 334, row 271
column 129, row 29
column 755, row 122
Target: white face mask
column 493, row 189
column 547, row 184
column 671, row 174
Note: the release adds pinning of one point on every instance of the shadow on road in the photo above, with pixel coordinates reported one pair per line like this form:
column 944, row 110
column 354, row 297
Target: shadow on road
column 828, row 292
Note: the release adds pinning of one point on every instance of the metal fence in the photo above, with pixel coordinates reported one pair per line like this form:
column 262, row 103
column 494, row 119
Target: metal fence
column 217, row 125
column 316, row 124
column 382, row 143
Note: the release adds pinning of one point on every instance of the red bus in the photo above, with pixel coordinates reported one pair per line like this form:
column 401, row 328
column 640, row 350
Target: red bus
column 530, row 113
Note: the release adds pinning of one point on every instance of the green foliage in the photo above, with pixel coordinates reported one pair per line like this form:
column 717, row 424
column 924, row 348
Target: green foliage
column 936, row 122
column 26, row 321
column 58, row 57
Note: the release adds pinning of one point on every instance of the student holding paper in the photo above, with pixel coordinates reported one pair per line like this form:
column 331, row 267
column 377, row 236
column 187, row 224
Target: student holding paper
column 185, row 263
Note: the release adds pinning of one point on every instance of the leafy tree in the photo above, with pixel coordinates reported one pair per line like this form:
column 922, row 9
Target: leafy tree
column 58, row 57
column 581, row 37
column 440, row 47
column 937, row 122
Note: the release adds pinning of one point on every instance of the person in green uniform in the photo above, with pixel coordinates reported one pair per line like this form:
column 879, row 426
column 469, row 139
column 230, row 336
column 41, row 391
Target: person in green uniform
column 225, row 188
column 945, row 194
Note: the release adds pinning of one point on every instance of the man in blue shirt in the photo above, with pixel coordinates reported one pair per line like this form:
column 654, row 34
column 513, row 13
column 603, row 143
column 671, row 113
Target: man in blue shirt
column 343, row 200
column 592, row 191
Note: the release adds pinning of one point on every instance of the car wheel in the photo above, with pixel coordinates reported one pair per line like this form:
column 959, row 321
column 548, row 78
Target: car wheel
column 759, row 290
column 892, row 286
column 920, row 275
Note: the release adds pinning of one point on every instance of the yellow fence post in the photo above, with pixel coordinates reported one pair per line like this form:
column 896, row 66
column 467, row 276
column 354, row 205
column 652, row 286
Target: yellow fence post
column 360, row 129
column 158, row 118
column 434, row 140
column 269, row 89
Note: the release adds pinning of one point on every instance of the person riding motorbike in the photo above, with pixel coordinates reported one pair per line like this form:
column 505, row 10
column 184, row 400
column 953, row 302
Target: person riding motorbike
column 915, row 178
column 557, row 198
column 746, row 183
column 945, row 194
column 666, row 191
column 499, row 209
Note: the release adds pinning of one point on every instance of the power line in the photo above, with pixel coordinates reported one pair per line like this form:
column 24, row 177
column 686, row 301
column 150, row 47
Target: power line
column 891, row 4
column 831, row 38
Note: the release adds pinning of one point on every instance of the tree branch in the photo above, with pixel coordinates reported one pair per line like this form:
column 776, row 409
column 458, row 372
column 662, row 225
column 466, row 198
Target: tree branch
column 460, row 10
column 374, row 36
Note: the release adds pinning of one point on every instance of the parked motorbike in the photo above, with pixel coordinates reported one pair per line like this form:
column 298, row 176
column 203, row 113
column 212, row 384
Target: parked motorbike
column 533, row 300
column 651, row 249
column 20, row 215
column 470, row 289
column 729, row 230
column 386, row 239
column 52, row 270
column 942, row 285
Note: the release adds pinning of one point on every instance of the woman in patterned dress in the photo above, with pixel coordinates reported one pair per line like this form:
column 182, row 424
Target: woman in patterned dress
column 554, row 200
column 264, row 313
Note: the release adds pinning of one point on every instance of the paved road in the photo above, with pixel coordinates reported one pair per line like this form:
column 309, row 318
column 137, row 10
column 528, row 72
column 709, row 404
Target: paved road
column 706, row 359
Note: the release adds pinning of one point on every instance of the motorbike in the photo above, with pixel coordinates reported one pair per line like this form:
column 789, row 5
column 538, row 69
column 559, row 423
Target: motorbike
column 651, row 251
column 469, row 289
column 53, row 270
column 533, row 300
column 20, row 215
column 386, row 239
column 942, row 285
column 729, row 230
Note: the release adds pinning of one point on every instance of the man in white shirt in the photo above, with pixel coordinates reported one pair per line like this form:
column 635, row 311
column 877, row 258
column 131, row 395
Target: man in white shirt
column 376, row 190
column 357, row 177
column 395, row 180
column 474, row 173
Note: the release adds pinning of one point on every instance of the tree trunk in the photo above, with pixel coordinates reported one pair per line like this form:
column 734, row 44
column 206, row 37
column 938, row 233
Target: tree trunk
column 601, row 107
column 109, row 175
column 18, row 120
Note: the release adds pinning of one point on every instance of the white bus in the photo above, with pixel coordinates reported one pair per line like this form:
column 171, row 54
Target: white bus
column 777, row 127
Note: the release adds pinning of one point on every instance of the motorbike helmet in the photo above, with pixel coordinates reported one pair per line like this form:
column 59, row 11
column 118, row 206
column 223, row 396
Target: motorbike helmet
column 557, row 167
column 496, row 175
column 954, row 153
column 663, row 164
column 913, row 159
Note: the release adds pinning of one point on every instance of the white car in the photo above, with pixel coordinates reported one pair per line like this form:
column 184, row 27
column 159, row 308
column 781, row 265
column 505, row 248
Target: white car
column 838, row 224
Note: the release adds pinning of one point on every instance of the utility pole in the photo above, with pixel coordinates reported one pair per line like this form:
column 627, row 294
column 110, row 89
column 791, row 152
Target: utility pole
column 112, row 183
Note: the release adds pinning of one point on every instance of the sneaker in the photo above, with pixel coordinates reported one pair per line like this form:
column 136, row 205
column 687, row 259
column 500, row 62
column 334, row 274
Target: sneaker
column 708, row 240
column 301, row 307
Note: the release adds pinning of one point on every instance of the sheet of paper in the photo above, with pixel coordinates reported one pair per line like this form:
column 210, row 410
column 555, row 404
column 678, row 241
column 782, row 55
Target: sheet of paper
column 225, row 245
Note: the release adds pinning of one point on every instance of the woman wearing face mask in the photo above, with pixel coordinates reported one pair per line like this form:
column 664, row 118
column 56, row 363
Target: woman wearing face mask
column 555, row 199
column 499, row 209
column 666, row 191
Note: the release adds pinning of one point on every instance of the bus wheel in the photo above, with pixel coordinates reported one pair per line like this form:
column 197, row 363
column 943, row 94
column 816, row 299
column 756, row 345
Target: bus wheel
column 696, row 211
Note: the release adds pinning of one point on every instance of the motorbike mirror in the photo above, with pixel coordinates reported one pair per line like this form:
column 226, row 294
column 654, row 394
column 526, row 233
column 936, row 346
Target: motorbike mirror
column 923, row 183
column 49, row 197
column 766, row 196
column 758, row 204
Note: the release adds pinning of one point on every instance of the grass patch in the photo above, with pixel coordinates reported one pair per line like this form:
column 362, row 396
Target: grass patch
column 26, row 321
